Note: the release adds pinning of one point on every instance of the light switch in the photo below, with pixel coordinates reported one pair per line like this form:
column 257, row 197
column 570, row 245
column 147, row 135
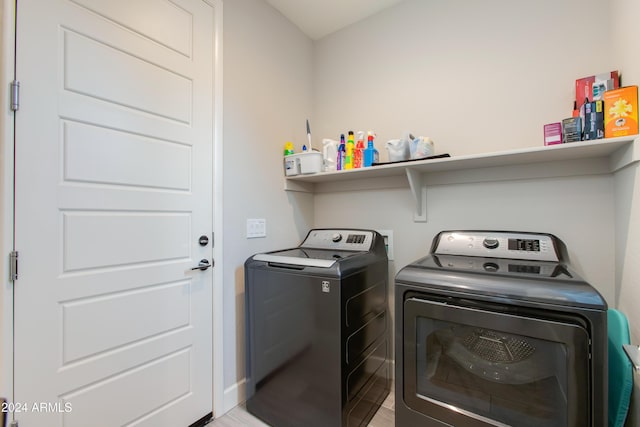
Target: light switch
column 256, row 228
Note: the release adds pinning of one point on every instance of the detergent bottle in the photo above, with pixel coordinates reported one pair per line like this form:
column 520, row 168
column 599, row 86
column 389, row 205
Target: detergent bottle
column 329, row 154
column 288, row 148
column 291, row 162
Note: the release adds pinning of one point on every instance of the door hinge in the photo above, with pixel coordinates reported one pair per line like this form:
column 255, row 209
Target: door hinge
column 15, row 95
column 13, row 266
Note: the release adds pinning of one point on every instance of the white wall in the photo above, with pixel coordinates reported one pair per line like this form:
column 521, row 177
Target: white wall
column 480, row 77
column 566, row 207
column 625, row 44
column 267, row 98
column 477, row 77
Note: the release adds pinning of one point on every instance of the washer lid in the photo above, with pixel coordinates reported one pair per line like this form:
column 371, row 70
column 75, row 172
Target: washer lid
column 306, row 257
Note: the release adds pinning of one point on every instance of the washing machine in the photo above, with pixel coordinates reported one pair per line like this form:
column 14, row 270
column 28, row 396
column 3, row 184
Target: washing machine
column 494, row 328
column 317, row 330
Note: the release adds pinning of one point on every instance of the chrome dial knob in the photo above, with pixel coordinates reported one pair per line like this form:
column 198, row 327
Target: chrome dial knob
column 490, row 243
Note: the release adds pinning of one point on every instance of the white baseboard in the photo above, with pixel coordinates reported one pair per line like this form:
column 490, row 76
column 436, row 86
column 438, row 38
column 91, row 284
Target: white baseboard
column 234, row 395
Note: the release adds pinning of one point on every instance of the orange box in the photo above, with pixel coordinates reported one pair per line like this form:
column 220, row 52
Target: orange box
column 621, row 112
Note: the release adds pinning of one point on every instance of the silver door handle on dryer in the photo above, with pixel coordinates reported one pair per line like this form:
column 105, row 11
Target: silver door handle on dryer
column 203, row 265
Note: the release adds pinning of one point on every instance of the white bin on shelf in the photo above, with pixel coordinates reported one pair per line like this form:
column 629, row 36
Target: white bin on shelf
column 305, row 163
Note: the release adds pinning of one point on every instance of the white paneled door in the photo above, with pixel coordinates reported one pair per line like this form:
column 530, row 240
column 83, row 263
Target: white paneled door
column 114, row 159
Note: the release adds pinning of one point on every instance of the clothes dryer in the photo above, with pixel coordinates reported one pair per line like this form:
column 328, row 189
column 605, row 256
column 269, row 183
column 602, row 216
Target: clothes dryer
column 494, row 328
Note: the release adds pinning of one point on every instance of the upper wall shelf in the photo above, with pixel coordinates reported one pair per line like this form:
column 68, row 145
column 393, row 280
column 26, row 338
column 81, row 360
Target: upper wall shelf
column 578, row 158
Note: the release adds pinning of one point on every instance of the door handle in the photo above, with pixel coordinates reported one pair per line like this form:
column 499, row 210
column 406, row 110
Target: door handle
column 203, row 265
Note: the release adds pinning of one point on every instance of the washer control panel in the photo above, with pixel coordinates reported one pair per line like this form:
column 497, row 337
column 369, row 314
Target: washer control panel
column 497, row 265
column 339, row 239
column 498, row 244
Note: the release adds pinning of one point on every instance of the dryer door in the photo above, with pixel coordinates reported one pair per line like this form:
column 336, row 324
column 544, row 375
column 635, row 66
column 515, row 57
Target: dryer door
column 471, row 366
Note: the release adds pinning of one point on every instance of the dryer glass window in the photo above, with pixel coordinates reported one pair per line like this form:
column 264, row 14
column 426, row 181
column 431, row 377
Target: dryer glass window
column 505, row 377
column 466, row 361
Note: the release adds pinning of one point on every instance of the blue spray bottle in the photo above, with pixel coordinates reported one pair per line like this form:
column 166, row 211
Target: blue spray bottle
column 370, row 153
column 341, row 153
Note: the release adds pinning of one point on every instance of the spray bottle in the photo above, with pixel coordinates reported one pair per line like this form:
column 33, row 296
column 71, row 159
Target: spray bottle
column 348, row 155
column 370, row 153
column 376, row 154
column 358, row 151
column 341, row 154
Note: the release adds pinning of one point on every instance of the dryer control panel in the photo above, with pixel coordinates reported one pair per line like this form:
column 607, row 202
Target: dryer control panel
column 339, row 239
column 498, row 244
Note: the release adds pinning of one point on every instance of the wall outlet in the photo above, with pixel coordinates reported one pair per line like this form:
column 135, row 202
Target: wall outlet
column 256, row 228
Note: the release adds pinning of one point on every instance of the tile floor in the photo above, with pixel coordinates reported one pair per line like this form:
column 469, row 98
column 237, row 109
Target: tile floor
column 239, row 417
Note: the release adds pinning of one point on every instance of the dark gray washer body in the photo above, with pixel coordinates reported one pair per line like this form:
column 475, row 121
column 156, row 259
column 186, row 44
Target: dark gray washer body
column 317, row 339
